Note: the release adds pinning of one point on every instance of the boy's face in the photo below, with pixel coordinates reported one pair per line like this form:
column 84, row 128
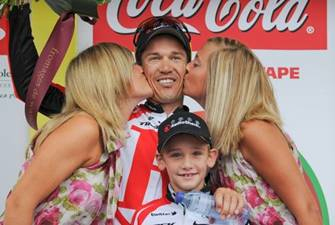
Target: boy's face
column 187, row 160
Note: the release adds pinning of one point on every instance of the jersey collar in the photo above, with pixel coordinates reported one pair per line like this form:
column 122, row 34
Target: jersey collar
column 157, row 108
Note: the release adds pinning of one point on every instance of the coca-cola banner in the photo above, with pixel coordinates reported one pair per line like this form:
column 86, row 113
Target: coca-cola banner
column 273, row 24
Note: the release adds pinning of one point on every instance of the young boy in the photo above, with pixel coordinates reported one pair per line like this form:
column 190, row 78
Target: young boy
column 185, row 151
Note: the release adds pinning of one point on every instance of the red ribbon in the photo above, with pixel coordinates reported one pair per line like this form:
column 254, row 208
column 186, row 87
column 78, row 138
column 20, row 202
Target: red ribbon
column 47, row 65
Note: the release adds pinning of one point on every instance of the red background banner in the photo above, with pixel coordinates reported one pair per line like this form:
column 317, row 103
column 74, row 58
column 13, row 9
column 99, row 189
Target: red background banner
column 4, row 36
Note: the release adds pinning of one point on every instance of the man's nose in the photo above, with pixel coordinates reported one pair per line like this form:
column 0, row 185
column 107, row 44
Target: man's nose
column 166, row 66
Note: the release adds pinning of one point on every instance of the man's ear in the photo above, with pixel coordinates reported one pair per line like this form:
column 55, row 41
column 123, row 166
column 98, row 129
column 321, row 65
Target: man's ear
column 160, row 162
column 212, row 156
column 138, row 68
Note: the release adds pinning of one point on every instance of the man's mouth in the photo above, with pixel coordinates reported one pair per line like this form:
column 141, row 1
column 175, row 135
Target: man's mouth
column 166, row 82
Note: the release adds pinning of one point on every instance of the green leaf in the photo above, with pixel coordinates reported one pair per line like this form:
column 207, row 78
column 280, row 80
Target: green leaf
column 111, row 183
column 69, row 206
column 99, row 188
column 276, row 202
column 62, row 189
column 79, row 176
column 57, row 201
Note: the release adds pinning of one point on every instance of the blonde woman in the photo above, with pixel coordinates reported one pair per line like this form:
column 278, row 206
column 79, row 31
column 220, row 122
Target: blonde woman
column 73, row 162
column 257, row 158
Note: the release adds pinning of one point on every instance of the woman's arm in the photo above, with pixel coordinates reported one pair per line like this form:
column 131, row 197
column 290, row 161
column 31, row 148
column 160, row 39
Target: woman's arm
column 23, row 57
column 266, row 149
column 74, row 144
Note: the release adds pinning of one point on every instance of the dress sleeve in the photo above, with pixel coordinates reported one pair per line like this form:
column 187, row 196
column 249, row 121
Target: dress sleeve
column 23, row 57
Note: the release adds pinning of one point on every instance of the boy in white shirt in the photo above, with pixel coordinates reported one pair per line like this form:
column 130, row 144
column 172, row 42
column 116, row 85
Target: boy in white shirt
column 186, row 153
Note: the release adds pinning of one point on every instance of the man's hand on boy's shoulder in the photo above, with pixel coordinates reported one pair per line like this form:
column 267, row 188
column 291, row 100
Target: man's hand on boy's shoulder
column 228, row 202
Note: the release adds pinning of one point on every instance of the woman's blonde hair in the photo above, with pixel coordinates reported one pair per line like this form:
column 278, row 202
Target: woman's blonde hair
column 96, row 82
column 238, row 90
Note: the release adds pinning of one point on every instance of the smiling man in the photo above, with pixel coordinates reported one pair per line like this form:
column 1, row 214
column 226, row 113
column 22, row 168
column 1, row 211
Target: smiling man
column 163, row 50
column 165, row 70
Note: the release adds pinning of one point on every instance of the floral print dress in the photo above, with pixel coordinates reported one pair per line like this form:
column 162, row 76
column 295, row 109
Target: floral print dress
column 266, row 207
column 88, row 196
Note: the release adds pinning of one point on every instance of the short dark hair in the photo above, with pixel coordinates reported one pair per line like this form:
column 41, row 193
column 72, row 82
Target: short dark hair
column 164, row 25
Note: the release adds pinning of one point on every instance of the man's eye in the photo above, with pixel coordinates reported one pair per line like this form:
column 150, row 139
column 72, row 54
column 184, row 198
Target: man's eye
column 175, row 155
column 197, row 153
column 154, row 58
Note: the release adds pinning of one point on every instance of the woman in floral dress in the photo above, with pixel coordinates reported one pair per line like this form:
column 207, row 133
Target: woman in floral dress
column 257, row 158
column 73, row 163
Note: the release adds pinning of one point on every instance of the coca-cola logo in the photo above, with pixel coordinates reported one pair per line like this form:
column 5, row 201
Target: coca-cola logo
column 258, row 23
column 246, row 17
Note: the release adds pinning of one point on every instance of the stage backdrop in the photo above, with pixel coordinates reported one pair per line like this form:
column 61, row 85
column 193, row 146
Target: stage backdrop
column 295, row 41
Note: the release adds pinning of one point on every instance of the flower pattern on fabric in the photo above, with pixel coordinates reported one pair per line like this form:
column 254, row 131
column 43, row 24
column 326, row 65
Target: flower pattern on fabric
column 88, row 196
column 115, row 173
column 253, row 197
column 48, row 216
column 266, row 207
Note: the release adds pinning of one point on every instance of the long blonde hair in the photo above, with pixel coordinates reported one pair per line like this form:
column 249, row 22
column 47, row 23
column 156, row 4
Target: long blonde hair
column 238, row 90
column 96, row 82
